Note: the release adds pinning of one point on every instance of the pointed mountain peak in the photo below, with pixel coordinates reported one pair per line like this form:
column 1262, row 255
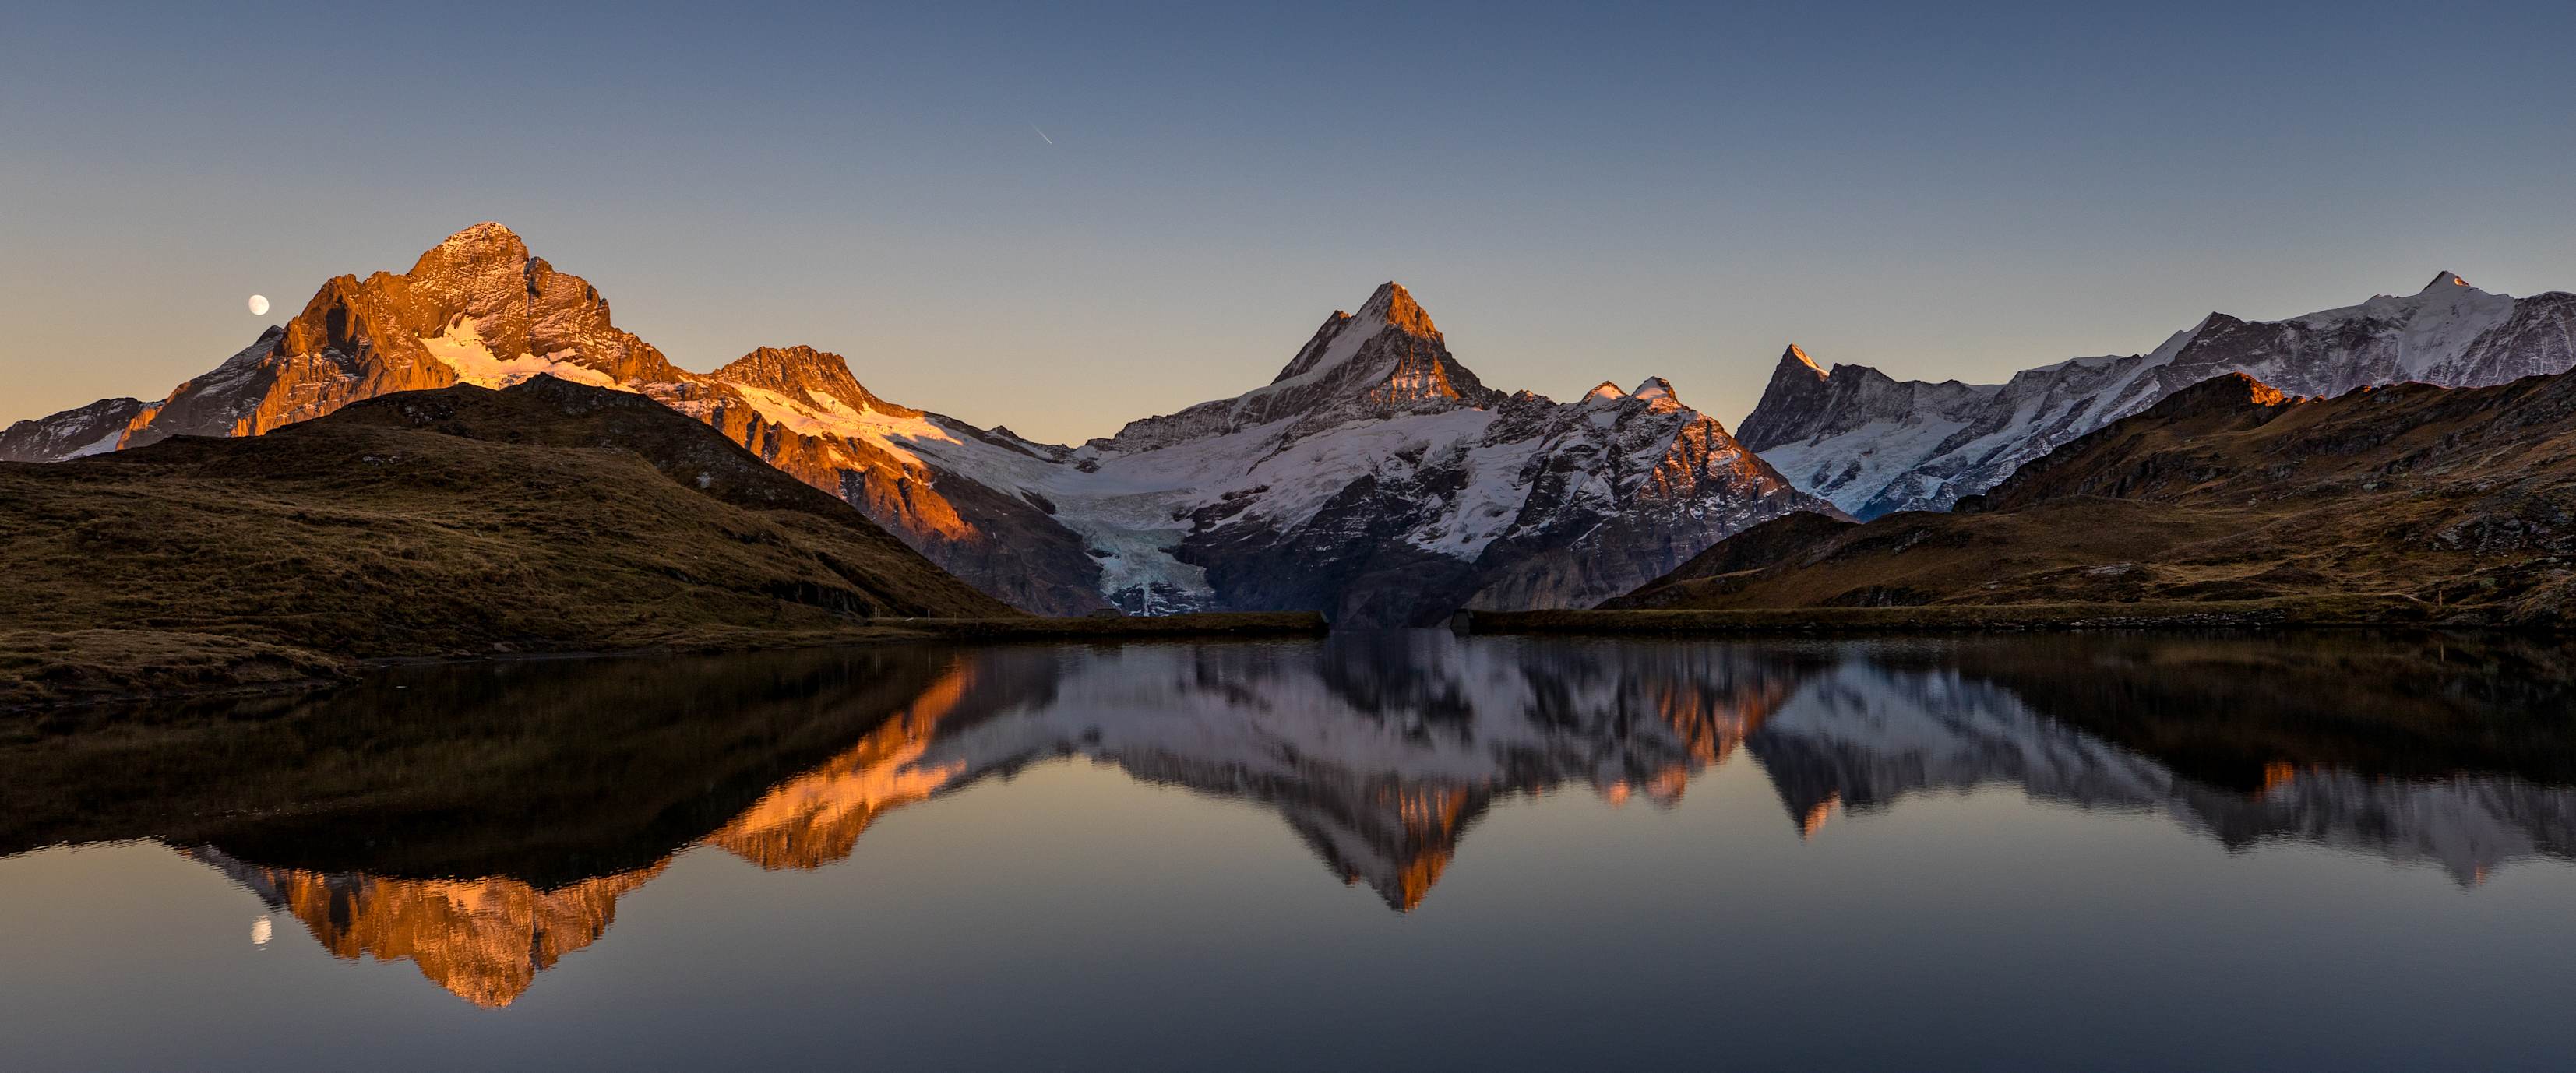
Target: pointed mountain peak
column 1333, row 343
column 1799, row 397
column 1386, row 359
column 1654, row 388
column 1396, row 306
column 1607, row 390
column 2444, row 281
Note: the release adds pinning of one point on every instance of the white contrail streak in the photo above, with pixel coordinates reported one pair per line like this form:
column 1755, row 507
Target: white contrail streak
column 1042, row 134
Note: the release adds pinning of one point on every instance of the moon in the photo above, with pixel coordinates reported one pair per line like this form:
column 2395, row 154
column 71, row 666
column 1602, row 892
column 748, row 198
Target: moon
column 259, row 305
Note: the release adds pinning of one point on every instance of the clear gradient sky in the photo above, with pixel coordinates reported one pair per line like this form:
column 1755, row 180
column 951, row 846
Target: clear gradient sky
column 1575, row 192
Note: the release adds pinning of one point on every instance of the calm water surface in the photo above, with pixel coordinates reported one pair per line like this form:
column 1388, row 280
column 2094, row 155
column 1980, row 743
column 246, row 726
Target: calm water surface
column 2102, row 852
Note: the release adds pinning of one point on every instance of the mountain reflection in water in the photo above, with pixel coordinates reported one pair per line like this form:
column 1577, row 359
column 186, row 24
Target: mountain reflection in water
column 482, row 822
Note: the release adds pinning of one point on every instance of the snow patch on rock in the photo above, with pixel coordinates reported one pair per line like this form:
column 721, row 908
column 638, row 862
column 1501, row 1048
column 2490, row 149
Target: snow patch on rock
column 461, row 348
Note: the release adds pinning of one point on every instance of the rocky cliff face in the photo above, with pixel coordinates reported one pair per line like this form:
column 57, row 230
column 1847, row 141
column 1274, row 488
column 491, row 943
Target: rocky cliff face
column 1875, row 445
column 1374, row 478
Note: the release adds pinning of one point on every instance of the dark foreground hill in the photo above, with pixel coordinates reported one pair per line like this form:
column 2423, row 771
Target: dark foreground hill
column 2410, row 502
column 548, row 517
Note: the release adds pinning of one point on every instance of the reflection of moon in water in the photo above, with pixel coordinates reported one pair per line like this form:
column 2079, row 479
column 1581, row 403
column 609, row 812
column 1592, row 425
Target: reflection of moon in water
column 259, row 931
column 258, row 304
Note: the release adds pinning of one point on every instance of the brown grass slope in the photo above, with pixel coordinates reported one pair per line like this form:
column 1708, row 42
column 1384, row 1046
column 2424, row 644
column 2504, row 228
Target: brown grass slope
column 2405, row 503
column 547, row 517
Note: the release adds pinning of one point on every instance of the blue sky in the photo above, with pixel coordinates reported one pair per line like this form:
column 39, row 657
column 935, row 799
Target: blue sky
column 1576, row 193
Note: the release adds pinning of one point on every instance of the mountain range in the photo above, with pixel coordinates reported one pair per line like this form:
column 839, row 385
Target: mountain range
column 1875, row 445
column 1374, row 478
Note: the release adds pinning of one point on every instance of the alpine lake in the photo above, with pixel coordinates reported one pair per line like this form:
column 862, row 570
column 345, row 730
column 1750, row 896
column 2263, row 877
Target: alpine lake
column 2332, row 850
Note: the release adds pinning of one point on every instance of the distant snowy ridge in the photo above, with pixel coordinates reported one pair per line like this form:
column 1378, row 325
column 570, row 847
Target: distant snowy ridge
column 1875, row 445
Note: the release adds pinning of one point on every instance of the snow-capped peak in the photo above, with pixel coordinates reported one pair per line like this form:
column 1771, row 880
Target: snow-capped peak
column 1607, row 390
column 1344, row 334
column 1653, row 388
column 2445, row 280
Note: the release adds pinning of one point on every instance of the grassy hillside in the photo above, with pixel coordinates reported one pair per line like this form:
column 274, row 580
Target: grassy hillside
column 549, row 517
